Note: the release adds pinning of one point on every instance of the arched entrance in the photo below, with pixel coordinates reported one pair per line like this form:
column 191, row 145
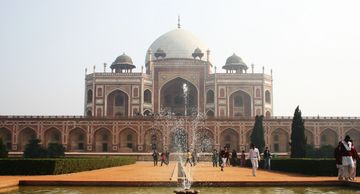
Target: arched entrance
column 102, row 140
column 24, row 137
column 204, row 140
column 5, row 135
column 179, row 140
column 309, row 137
column 153, row 140
column 173, row 98
column 329, row 137
column 128, row 140
column 117, row 104
column 240, row 104
column 229, row 138
column 52, row 135
column 77, row 140
column 279, row 141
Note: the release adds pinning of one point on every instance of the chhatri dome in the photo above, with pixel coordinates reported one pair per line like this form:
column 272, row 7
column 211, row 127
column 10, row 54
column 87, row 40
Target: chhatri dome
column 177, row 43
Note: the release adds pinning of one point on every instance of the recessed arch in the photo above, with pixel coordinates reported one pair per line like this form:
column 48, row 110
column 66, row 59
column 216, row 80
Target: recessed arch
column 240, row 104
column 117, row 103
column 210, row 113
column 267, row 97
column 172, row 96
column 309, row 137
column 89, row 96
column 128, row 140
column 52, row 135
column 355, row 137
column 329, row 137
column 102, row 140
column 279, row 140
column 77, row 139
column 6, row 136
column 204, row 140
column 179, row 140
column 153, row 140
column 147, row 96
column 229, row 138
column 210, row 96
column 25, row 135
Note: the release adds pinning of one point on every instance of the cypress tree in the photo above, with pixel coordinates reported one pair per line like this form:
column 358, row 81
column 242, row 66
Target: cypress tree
column 257, row 134
column 3, row 150
column 298, row 140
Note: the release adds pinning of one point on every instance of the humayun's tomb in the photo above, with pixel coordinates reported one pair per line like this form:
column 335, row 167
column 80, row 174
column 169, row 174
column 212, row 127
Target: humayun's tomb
column 120, row 106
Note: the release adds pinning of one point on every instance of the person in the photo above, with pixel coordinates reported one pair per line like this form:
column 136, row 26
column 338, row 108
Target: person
column 155, row 155
column 223, row 159
column 234, row 158
column 220, row 160
column 338, row 160
column 215, row 157
column 254, row 157
column 227, row 154
column 167, row 157
column 188, row 157
column 267, row 157
column 242, row 158
column 163, row 158
column 356, row 159
column 194, row 159
column 346, row 155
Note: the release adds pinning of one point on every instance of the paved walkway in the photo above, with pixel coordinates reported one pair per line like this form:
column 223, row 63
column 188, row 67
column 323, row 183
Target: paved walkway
column 144, row 173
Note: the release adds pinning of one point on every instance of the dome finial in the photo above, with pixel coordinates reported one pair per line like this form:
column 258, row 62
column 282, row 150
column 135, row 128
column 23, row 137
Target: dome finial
column 179, row 26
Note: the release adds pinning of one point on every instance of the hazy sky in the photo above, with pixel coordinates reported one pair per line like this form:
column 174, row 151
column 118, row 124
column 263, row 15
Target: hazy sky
column 312, row 46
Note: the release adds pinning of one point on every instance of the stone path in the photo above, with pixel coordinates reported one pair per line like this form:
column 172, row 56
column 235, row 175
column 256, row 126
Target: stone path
column 144, row 173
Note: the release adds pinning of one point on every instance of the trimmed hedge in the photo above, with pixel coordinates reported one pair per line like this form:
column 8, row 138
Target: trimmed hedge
column 307, row 166
column 12, row 166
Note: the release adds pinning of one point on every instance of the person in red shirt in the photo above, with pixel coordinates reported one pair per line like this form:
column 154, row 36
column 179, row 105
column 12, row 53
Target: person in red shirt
column 356, row 159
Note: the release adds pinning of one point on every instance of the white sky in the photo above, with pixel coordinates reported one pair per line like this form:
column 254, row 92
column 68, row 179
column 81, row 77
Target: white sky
column 313, row 47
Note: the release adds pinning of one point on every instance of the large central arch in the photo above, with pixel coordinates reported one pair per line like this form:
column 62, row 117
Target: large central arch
column 240, row 104
column 117, row 104
column 172, row 97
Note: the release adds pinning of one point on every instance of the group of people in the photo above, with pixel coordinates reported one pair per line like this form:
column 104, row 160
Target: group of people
column 224, row 158
column 164, row 157
column 346, row 157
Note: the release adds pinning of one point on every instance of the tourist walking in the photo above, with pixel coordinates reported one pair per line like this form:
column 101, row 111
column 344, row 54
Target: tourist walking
column 267, row 157
column 215, row 158
column 155, row 155
column 254, row 157
column 242, row 159
column 194, row 158
column 347, row 159
column 338, row 160
column 163, row 158
column 356, row 159
column 188, row 157
column 234, row 158
column 223, row 159
column 227, row 154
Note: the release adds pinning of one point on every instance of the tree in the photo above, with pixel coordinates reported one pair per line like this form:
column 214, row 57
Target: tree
column 257, row 134
column 3, row 150
column 298, row 140
column 34, row 150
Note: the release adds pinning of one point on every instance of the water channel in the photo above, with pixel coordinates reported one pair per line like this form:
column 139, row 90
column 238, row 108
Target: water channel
column 168, row 190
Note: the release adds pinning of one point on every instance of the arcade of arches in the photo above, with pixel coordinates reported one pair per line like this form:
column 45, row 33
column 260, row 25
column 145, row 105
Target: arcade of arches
column 116, row 135
column 173, row 96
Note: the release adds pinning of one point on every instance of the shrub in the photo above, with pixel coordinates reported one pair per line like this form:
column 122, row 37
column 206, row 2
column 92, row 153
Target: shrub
column 325, row 151
column 16, row 166
column 3, row 150
column 34, row 150
column 55, row 150
column 307, row 166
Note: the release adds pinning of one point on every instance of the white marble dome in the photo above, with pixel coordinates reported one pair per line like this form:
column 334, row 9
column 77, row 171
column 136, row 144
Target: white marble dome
column 178, row 43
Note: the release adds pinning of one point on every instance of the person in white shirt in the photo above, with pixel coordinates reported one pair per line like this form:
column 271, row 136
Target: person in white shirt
column 254, row 157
